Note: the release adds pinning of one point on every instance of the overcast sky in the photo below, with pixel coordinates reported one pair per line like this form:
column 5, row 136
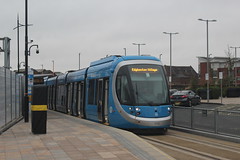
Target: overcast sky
column 96, row 28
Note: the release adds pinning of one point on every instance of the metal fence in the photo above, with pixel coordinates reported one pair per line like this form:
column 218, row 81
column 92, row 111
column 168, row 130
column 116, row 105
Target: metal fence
column 216, row 121
column 11, row 97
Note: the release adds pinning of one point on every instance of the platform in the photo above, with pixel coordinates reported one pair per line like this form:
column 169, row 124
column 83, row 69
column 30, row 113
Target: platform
column 72, row 138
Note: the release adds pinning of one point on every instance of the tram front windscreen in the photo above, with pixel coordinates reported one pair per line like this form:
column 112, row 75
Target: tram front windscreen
column 142, row 85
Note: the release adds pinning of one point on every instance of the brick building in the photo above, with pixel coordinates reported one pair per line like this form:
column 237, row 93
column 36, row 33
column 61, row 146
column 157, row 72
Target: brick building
column 229, row 66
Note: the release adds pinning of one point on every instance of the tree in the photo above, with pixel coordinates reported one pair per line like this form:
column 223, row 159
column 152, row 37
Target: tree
column 230, row 66
column 194, row 83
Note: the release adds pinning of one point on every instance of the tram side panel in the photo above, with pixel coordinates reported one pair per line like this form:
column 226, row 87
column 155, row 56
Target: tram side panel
column 74, row 98
column 91, row 108
column 61, row 98
column 61, row 94
column 115, row 119
column 97, row 92
column 51, row 84
column 97, row 99
column 76, row 92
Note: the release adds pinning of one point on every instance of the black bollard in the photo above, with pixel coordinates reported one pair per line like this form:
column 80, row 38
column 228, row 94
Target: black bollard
column 39, row 109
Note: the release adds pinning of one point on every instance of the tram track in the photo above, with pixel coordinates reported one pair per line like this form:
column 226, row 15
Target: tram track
column 212, row 144
column 184, row 146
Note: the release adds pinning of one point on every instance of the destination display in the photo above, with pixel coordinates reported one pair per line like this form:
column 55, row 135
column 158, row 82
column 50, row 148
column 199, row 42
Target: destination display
column 144, row 70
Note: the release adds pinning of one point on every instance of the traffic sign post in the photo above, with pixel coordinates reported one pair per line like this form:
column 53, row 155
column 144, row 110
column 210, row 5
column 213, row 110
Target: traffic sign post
column 221, row 77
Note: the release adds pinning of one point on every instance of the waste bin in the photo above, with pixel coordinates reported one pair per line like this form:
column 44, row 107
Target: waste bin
column 39, row 109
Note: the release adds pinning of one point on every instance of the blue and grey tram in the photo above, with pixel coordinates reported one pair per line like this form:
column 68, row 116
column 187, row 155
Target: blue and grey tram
column 129, row 92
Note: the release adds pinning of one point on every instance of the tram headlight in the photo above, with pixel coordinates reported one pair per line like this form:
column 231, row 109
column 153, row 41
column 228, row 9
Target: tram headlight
column 131, row 110
column 138, row 109
column 169, row 109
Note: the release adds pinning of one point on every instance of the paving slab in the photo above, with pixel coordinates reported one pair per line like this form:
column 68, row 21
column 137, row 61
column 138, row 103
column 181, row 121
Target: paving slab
column 72, row 138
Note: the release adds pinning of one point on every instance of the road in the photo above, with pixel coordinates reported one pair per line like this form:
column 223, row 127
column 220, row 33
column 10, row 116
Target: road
column 224, row 100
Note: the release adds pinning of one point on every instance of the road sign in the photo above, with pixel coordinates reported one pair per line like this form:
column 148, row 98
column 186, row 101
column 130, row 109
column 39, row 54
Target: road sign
column 220, row 75
column 206, row 77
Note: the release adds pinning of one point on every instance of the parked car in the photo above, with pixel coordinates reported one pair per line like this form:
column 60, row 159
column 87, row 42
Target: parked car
column 185, row 98
column 172, row 91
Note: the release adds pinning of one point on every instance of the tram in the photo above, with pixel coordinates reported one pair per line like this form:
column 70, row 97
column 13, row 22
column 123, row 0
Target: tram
column 129, row 92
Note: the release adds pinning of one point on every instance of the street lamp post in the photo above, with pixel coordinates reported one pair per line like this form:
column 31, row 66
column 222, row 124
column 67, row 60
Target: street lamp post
column 160, row 56
column 42, row 68
column 235, row 69
column 138, row 47
column 170, row 72
column 79, row 63
column 26, row 115
column 125, row 51
column 53, row 67
column 207, row 77
column 18, row 26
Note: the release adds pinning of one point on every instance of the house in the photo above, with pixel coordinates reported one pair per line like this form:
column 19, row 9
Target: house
column 182, row 76
column 39, row 74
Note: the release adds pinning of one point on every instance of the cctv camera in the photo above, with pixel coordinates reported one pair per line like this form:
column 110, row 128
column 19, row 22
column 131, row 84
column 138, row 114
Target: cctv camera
column 37, row 51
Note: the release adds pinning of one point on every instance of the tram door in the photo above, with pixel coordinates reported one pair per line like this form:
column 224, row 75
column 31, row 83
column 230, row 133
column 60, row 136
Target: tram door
column 74, row 100
column 81, row 100
column 50, row 94
column 106, row 88
column 69, row 104
column 54, row 98
column 102, row 99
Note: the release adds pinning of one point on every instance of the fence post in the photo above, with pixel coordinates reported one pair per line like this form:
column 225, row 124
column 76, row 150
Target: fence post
column 215, row 120
column 192, row 117
column 11, row 93
column 5, row 92
column 173, row 120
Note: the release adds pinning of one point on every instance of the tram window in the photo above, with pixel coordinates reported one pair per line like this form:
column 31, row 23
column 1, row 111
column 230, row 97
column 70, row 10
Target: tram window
column 91, row 92
column 98, row 90
column 123, row 92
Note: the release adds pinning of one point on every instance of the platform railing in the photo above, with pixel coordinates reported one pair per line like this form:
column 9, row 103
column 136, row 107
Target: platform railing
column 224, row 122
column 11, row 98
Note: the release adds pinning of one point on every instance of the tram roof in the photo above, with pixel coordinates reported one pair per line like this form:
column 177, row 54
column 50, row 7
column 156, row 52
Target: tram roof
column 76, row 76
column 116, row 57
column 50, row 81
